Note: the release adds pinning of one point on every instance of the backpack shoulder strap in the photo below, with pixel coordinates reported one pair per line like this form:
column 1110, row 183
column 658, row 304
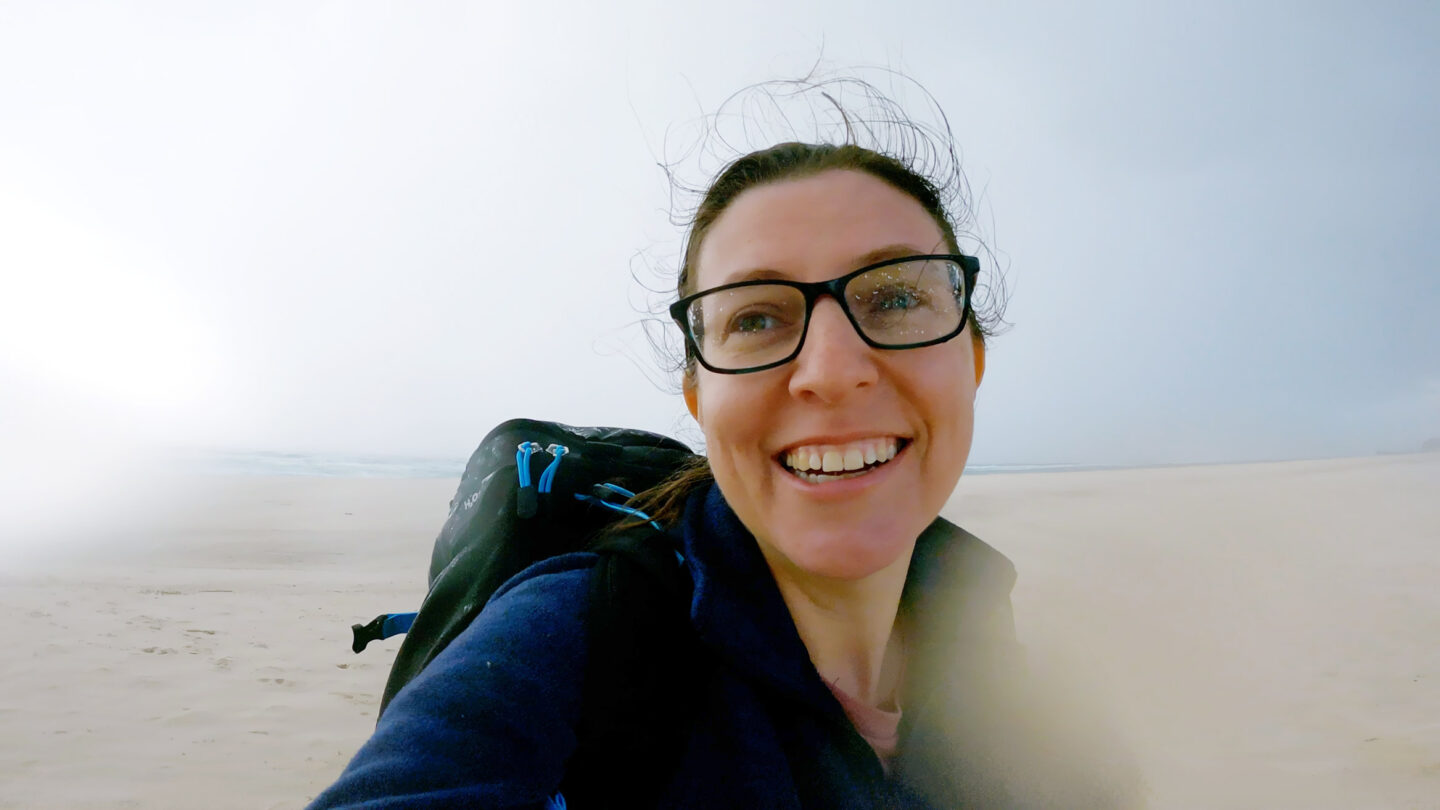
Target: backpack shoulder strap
column 639, row 682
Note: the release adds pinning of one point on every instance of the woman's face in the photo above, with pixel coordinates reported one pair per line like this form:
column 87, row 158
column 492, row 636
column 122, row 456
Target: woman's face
column 839, row 395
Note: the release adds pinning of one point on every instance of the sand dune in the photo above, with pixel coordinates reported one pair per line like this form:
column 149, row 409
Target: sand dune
column 1265, row 635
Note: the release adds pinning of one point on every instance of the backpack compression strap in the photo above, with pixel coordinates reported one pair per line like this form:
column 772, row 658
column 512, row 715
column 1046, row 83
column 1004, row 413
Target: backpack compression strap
column 639, row 674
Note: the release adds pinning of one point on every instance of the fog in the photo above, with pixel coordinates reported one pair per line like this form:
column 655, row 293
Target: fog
column 355, row 227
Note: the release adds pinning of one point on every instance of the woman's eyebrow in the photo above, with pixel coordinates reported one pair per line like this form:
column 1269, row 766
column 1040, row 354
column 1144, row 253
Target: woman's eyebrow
column 757, row 274
column 896, row 251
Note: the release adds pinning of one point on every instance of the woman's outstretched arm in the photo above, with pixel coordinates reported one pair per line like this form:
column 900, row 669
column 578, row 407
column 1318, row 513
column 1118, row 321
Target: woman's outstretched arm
column 491, row 722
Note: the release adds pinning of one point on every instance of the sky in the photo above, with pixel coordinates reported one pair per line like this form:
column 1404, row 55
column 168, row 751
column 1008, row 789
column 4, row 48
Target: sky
column 351, row 227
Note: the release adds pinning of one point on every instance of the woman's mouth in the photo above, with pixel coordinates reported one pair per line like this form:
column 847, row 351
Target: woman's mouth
column 821, row 463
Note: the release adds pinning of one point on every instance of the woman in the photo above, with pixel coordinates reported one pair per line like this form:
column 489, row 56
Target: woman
column 858, row 652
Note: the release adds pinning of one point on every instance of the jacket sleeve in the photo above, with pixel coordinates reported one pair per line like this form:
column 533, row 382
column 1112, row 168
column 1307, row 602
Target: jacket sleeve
column 490, row 723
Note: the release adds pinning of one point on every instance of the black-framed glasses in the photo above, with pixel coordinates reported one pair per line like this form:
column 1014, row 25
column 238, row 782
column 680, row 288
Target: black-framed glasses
column 902, row 303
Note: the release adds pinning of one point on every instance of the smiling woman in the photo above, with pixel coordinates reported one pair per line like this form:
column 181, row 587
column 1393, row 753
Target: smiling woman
column 854, row 649
column 838, row 394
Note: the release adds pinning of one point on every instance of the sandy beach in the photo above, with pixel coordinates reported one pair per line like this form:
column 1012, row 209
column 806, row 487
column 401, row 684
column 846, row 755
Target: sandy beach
column 1265, row 635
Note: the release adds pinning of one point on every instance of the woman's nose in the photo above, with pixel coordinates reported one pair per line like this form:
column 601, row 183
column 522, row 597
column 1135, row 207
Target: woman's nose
column 834, row 361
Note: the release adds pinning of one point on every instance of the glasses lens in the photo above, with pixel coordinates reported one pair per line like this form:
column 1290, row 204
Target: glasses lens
column 747, row 327
column 908, row 303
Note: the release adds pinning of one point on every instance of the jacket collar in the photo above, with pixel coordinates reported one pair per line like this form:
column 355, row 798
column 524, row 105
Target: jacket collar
column 738, row 612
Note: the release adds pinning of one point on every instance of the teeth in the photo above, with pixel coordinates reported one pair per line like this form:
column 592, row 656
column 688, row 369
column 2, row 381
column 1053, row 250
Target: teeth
column 820, row 478
column 840, row 459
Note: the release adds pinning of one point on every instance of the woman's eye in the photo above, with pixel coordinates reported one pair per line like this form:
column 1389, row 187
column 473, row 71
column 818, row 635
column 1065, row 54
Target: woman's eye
column 751, row 322
column 895, row 298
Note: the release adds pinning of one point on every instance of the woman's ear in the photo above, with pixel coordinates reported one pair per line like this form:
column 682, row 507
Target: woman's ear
column 979, row 361
column 692, row 399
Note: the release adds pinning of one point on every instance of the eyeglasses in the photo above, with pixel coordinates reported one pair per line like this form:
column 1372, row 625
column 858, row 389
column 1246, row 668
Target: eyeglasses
column 900, row 303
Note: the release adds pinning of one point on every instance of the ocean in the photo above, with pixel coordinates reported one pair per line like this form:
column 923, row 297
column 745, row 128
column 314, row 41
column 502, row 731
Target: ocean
column 325, row 465
column 390, row 466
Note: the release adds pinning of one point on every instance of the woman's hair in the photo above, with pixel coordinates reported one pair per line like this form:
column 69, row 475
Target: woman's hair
column 916, row 159
column 794, row 161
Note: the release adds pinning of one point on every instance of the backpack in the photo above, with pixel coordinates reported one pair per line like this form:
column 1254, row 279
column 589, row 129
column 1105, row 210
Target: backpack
column 533, row 490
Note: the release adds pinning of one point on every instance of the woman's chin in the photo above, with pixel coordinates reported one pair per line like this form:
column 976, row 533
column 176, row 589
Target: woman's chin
column 843, row 553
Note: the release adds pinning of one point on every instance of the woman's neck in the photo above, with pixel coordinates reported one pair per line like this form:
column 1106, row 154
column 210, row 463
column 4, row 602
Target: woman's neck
column 848, row 626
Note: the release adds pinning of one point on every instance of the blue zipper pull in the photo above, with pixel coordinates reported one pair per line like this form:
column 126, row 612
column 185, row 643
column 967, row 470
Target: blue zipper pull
column 527, row 503
column 547, row 478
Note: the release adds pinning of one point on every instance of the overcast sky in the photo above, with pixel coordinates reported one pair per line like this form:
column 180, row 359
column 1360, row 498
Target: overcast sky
column 358, row 227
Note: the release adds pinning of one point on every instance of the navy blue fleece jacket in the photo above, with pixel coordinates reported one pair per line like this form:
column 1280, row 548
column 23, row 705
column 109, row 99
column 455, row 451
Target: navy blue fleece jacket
column 491, row 722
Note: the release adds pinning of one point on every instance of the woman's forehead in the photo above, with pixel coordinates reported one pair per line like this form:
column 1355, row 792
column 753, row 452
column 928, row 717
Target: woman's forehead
column 814, row 228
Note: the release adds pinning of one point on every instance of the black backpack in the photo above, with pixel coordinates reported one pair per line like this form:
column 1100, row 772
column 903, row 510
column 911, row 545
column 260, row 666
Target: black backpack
column 533, row 490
